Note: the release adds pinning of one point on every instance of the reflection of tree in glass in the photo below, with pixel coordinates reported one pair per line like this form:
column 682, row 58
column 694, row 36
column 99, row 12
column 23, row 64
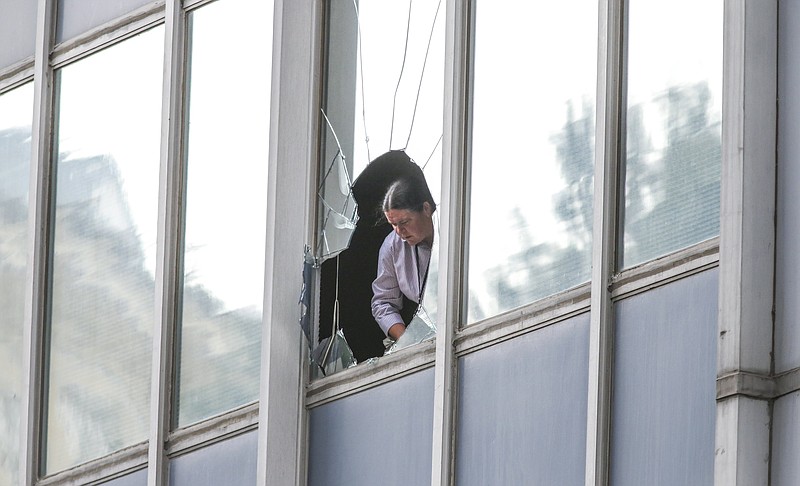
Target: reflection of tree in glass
column 541, row 269
column 673, row 194
column 672, row 198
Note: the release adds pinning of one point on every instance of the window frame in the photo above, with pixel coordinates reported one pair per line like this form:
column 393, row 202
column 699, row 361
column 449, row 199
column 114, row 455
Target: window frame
column 608, row 284
column 164, row 441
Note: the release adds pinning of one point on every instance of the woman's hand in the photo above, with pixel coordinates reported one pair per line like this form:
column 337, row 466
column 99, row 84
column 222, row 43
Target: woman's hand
column 397, row 330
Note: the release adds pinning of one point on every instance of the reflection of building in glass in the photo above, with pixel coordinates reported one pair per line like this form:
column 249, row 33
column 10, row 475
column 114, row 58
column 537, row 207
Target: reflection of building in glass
column 94, row 225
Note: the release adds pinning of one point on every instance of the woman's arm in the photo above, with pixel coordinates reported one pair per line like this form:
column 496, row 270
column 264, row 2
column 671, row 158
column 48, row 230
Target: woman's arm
column 387, row 299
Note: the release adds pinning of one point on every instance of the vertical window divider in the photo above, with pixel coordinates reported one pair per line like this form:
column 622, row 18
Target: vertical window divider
column 39, row 246
column 292, row 151
column 451, row 251
column 169, row 235
column 746, row 317
column 608, row 164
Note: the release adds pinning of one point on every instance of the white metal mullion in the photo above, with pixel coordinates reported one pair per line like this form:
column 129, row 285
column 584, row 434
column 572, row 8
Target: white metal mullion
column 454, row 175
column 292, row 151
column 747, row 238
column 39, row 210
column 167, row 279
column 606, row 196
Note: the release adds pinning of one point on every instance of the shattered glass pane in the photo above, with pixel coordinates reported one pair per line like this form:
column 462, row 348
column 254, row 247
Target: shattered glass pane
column 421, row 328
column 383, row 110
column 385, row 69
column 306, row 300
column 333, row 354
column 674, row 134
column 532, row 157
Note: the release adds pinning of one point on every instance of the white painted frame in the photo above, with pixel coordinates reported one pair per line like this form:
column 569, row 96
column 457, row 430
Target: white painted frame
column 747, row 242
column 292, row 158
column 40, row 191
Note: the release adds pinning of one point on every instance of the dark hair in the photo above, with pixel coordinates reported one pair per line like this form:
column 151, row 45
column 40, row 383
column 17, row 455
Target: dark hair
column 408, row 193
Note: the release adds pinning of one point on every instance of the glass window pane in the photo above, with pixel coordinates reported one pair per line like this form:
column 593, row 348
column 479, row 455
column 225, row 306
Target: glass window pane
column 664, row 398
column 223, row 286
column 17, row 30
column 530, row 223
column 78, row 16
column 672, row 180
column 15, row 155
column 382, row 121
column 106, row 212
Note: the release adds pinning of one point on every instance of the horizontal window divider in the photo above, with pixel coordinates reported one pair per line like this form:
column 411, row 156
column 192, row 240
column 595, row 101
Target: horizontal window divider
column 757, row 385
column 512, row 324
column 16, row 75
column 787, row 382
column 195, row 4
column 119, row 29
column 743, row 383
column 666, row 269
column 371, row 373
column 115, row 465
column 213, row 430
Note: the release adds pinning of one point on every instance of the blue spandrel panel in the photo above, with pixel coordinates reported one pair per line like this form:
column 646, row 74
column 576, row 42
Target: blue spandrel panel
column 787, row 244
column 664, row 397
column 381, row 436
column 138, row 478
column 78, row 16
column 786, row 440
column 522, row 409
column 232, row 462
column 17, row 30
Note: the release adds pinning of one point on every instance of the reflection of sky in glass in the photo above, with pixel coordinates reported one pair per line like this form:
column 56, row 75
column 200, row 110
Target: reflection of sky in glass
column 228, row 154
column 107, row 171
column 659, row 59
column 533, row 62
column 16, row 108
column 226, row 203
column 124, row 131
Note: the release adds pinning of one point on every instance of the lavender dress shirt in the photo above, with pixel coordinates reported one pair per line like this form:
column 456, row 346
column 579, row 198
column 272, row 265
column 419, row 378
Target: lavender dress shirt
column 399, row 273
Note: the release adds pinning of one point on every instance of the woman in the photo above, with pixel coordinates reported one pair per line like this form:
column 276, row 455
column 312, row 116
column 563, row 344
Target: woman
column 405, row 255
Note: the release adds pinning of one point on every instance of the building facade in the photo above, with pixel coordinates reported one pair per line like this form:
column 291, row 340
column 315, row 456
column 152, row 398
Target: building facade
column 613, row 283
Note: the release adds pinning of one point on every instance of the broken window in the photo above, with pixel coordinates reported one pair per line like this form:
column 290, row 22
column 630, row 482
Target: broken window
column 381, row 121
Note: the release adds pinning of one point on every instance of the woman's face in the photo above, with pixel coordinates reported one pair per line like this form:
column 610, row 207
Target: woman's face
column 412, row 226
